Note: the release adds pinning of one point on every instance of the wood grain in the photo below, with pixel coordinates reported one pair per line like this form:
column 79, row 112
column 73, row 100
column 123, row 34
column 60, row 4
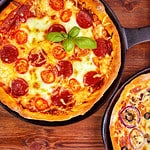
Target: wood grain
column 16, row 134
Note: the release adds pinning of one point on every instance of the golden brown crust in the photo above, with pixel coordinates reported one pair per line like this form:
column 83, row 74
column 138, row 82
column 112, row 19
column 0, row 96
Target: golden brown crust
column 7, row 100
column 140, row 83
column 5, row 12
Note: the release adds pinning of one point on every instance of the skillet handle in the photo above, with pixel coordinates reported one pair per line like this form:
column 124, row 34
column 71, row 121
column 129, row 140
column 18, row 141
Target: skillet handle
column 136, row 36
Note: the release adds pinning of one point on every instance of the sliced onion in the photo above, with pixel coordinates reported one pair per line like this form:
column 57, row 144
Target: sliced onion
column 124, row 121
column 136, row 138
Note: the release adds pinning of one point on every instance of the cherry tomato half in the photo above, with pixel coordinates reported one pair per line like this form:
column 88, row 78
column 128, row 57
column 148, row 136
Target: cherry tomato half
column 74, row 85
column 66, row 15
column 57, row 4
column 21, row 65
column 48, row 76
column 21, row 37
column 41, row 104
column 58, row 52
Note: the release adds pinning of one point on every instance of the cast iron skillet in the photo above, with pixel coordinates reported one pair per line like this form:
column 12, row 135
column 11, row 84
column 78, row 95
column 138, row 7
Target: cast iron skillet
column 129, row 37
column 107, row 115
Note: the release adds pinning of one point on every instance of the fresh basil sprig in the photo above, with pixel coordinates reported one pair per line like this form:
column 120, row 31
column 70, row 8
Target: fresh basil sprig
column 71, row 39
column 74, row 32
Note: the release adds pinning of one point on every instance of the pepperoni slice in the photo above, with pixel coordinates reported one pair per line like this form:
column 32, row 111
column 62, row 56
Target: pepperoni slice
column 103, row 47
column 24, row 13
column 41, row 104
column 19, row 87
column 74, row 85
column 57, row 4
column 92, row 79
column 57, row 28
column 58, row 52
column 21, row 65
column 66, row 15
column 62, row 97
column 8, row 22
column 48, row 76
column 64, row 68
column 13, row 19
column 37, row 57
column 84, row 19
column 21, row 37
column 9, row 54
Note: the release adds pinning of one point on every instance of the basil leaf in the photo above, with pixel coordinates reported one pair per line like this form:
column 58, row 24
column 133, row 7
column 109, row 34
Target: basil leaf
column 65, row 35
column 85, row 42
column 68, row 44
column 74, row 32
column 55, row 37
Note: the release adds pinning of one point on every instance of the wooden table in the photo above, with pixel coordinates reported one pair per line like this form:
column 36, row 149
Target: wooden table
column 16, row 134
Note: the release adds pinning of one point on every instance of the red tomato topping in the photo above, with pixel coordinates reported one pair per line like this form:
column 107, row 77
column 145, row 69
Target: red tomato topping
column 64, row 68
column 24, row 13
column 84, row 19
column 1, row 40
column 58, row 52
column 37, row 57
column 21, row 14
column 57, row 28
column 81, row 52
column 103, row 47
column 57, row 4
column 66, row 15
column 19, row 87
column 8, row 22
column 21, row 37
column 62, row 97
column 48, row 76
column 92, row 79
column 9, row 53
column 74, row 85
column 41, row 104
column 21, row 66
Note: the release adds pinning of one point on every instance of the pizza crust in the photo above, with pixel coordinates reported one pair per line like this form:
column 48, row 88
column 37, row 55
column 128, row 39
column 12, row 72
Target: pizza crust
column 8, row 100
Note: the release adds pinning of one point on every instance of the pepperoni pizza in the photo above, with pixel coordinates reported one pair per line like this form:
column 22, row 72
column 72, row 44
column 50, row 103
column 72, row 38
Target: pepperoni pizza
column 57, row 58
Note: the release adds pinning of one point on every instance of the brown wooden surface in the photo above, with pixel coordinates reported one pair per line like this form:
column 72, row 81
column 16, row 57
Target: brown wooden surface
column 16, row 134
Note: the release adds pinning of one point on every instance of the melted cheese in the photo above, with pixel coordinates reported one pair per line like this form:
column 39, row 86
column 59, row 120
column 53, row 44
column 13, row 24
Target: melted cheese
column 71, row 23
column 38, row 24
column 5, row 72
column 36, row 28
column 105, row 64
column 82, row 67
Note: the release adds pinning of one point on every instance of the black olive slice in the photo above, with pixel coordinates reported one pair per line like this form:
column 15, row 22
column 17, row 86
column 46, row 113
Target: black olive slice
column 124, row 148
column 129, row 116
column 147, row 137
column 148, row 140
column 147, row 115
